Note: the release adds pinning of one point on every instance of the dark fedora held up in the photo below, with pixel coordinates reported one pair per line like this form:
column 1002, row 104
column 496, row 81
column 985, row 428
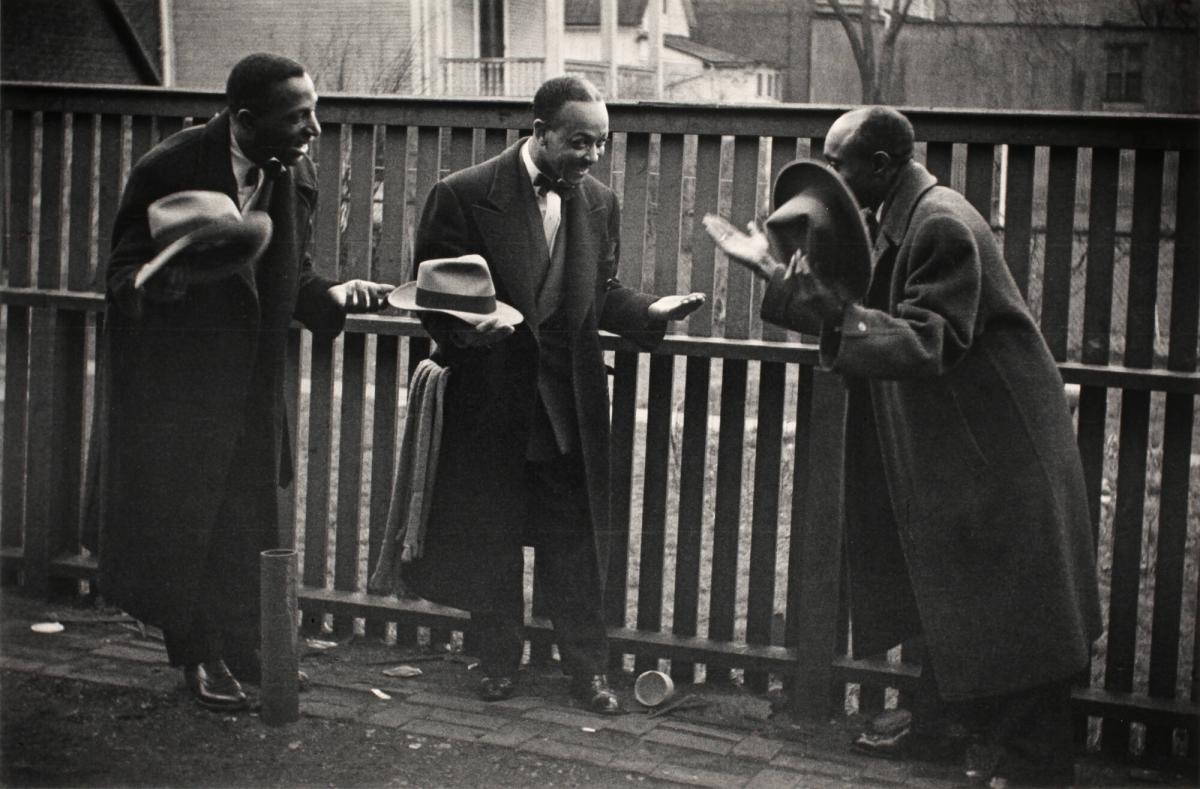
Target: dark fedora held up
column 460, row 286
column 204, row 235
column 815, row 213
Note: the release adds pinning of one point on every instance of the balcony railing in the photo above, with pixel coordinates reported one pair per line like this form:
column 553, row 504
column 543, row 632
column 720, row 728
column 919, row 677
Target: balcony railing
column 633, row 82
column 491, row 76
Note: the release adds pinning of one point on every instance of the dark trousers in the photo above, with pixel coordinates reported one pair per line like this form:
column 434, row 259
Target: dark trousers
column 560, row 531
column 1033, row 725
column 225, row 622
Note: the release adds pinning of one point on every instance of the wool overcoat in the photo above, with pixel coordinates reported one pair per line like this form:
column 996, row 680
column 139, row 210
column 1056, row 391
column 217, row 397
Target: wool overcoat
column 966, row 512
column 479, row 505
column 188, row 382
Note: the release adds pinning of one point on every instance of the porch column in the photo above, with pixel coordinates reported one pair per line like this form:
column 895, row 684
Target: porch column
column 654, row 14
column 608, row 44
column 555, row 22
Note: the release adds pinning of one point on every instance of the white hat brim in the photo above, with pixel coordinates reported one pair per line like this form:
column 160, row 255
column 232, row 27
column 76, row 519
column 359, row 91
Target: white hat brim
column 405, row 298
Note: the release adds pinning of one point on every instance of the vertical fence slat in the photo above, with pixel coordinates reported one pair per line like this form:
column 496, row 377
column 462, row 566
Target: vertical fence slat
column 821, row 552
column 462, row 140
column 764, row 530
column 345, row 570
column 708, row 175
column 79, row 244
column 1018, row 213
column 320, row 417
column 624, row 413
column 633, row 210
column 141, row 136
column 783, row 151
column 1060, row 233
column 939, row 160
column 383, row 447
column 428, row 141
column 166, row 126
column 1178, row 424
column 329, row 181
column 291, row 397
column 670, row 201
column 66, row 364
column 980, row 159
column 41, row 533
column 1140, row 323
column 1134, row 441
column 799, row 503
column 496, row 140
column 693, row 453
column 727, row 509
column 16, row 367
column 391, row 260
column 741, row 211
column 1097, row 321
column 110, row 184
column 356, row 263
column 654, row 500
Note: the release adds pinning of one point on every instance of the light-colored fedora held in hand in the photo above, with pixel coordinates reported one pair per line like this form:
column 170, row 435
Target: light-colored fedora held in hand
column 461, row 287
column 203, row 235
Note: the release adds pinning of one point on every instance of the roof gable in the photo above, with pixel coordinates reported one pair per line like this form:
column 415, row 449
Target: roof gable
column 717, row 58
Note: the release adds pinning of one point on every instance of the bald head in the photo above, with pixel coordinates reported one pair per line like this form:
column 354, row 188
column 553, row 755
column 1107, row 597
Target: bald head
column 867, row 147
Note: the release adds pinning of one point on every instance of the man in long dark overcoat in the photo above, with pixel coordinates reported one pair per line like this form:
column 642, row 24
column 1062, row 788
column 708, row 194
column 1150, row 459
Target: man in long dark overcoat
column 195, row 438
column 966, row 515
column 524, row 449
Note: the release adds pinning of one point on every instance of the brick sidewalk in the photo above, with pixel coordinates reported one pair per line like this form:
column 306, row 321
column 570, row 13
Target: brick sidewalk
column 731, row 742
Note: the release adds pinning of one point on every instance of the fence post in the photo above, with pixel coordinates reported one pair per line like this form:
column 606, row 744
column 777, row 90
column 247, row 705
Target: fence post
column 820, row 551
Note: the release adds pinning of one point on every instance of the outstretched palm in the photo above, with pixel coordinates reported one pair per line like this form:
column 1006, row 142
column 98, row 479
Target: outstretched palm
column 750, row 249
column 675, row 308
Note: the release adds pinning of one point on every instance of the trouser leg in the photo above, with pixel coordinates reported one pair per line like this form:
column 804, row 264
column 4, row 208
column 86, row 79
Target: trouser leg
column 500, row 628
column 566, row 564
column 199, row 642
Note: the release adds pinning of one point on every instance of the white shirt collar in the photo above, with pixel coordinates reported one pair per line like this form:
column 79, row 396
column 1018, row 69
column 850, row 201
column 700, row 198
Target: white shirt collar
column 530, row 167
column 241, row 166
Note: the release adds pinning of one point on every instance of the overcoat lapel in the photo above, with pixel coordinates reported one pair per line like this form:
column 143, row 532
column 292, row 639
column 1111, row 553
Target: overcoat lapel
column 504, row 221
column 581, row 213
column 216, row 175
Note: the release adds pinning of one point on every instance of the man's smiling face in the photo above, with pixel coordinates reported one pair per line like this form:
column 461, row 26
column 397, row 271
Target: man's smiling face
column 568, row 147
column 287, row 126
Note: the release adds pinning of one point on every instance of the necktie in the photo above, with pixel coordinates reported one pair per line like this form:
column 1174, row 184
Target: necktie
column 263, row 177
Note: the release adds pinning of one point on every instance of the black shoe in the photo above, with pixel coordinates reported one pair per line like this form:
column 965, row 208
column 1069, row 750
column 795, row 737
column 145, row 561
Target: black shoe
column 214, row 687
column 496, row 688
column 945, row 744
column 594, row 693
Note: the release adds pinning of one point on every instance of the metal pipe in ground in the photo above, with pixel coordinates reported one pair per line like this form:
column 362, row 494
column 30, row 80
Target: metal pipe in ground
column 280, row 658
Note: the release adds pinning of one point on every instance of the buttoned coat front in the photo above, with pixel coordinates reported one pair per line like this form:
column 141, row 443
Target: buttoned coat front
column 190, row 382
column 479, row 502
column 966, row 512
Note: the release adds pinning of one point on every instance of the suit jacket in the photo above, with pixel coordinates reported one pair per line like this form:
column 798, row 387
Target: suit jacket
column 479, row 501
column 966, row 512
column 191, row 381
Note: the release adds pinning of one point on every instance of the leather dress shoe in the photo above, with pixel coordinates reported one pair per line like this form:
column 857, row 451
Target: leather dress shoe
column 214, row 687
column 496, row 688
column 596, row 695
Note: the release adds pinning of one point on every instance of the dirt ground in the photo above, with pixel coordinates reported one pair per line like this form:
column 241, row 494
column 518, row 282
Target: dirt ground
column 58, row 732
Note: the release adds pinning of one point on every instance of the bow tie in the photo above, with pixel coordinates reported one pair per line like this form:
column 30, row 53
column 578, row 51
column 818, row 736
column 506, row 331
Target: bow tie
column 544, row 183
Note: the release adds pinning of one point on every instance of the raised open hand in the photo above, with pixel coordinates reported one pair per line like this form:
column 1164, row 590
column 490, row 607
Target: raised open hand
column 749, row 249
column 675, row 308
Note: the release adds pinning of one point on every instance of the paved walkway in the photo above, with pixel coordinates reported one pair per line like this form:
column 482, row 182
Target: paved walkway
column 730, row 741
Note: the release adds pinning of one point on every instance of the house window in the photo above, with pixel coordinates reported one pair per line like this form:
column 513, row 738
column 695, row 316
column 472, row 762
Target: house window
column 1123, row 75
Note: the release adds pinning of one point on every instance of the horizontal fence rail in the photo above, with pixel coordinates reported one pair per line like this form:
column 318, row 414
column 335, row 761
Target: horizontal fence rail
column 726, row 512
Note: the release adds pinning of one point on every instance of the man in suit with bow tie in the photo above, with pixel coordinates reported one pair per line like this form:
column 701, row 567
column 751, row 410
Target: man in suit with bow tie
column 524, row 453
column 194, row 438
